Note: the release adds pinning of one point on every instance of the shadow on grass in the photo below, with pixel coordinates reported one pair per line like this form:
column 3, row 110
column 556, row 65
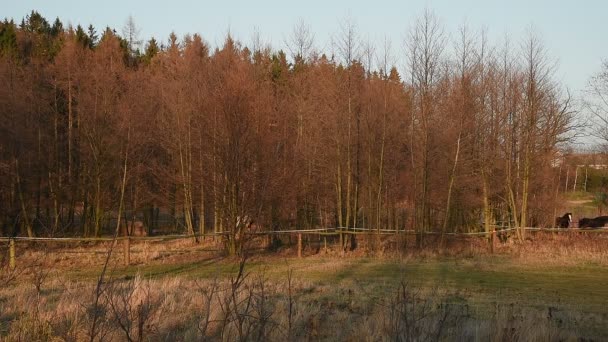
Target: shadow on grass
column 485, row 280
column 203, row 268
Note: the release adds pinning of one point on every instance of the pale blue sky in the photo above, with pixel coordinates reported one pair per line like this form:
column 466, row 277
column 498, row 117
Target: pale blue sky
column 574, row 32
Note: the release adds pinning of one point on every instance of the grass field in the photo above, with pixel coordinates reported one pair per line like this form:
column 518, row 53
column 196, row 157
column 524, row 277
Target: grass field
column 552, row 287
column 495, row 278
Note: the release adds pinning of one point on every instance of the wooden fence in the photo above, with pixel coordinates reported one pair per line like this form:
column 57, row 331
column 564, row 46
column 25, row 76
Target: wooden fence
column 298, row 233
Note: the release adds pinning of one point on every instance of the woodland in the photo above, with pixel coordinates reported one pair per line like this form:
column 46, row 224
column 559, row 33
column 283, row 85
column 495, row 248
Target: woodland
column 462, row 135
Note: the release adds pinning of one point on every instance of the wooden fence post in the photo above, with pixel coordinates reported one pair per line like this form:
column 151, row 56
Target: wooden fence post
column 299, row 245
column 127, row 251
column 11, row 253
column 325, row 243
column 492, row 240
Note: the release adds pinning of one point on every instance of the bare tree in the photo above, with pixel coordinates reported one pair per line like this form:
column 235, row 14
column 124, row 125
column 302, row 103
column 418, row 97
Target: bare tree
column 537, row 72
column 131, row 33
column 597, row 103
column 425, row 47
column 300, row 42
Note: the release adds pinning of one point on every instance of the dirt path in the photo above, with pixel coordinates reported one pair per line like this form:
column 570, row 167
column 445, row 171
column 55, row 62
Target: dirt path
column 576, row 202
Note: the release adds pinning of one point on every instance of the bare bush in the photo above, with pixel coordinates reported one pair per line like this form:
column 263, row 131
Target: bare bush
column 133, row 307
column 246, row 308
column 513, row 323
column 410, row 316
column 208, row 293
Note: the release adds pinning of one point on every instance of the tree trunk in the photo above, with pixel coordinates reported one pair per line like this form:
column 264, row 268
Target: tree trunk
column 24, row 212
column 450, row 186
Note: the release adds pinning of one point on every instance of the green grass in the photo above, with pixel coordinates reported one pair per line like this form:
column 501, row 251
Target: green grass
column 483, row 279
column 578, row 195
column 352, row 287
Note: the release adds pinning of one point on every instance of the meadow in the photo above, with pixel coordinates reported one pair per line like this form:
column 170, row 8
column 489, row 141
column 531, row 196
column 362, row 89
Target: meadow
column 551, row 287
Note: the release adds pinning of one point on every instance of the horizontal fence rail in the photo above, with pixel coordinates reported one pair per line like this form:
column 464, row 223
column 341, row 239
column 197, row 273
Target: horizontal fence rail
column 322, row 231
column 299, row 232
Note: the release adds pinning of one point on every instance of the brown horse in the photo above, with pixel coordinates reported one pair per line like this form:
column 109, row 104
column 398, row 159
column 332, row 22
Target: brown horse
column 597, row 222
column 564, row 221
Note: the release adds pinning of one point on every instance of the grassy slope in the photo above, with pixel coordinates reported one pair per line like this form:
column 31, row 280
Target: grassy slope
column 581, row 204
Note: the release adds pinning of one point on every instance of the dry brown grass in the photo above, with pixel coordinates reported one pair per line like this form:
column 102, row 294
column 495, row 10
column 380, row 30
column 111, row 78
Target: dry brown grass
column 42, row 302
column 564, row 248
column 176, row 309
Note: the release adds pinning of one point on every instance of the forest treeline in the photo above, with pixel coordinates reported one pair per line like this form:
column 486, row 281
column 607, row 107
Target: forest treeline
column 466, row 137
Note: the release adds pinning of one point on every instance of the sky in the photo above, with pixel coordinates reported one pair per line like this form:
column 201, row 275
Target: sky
column 573, row 32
